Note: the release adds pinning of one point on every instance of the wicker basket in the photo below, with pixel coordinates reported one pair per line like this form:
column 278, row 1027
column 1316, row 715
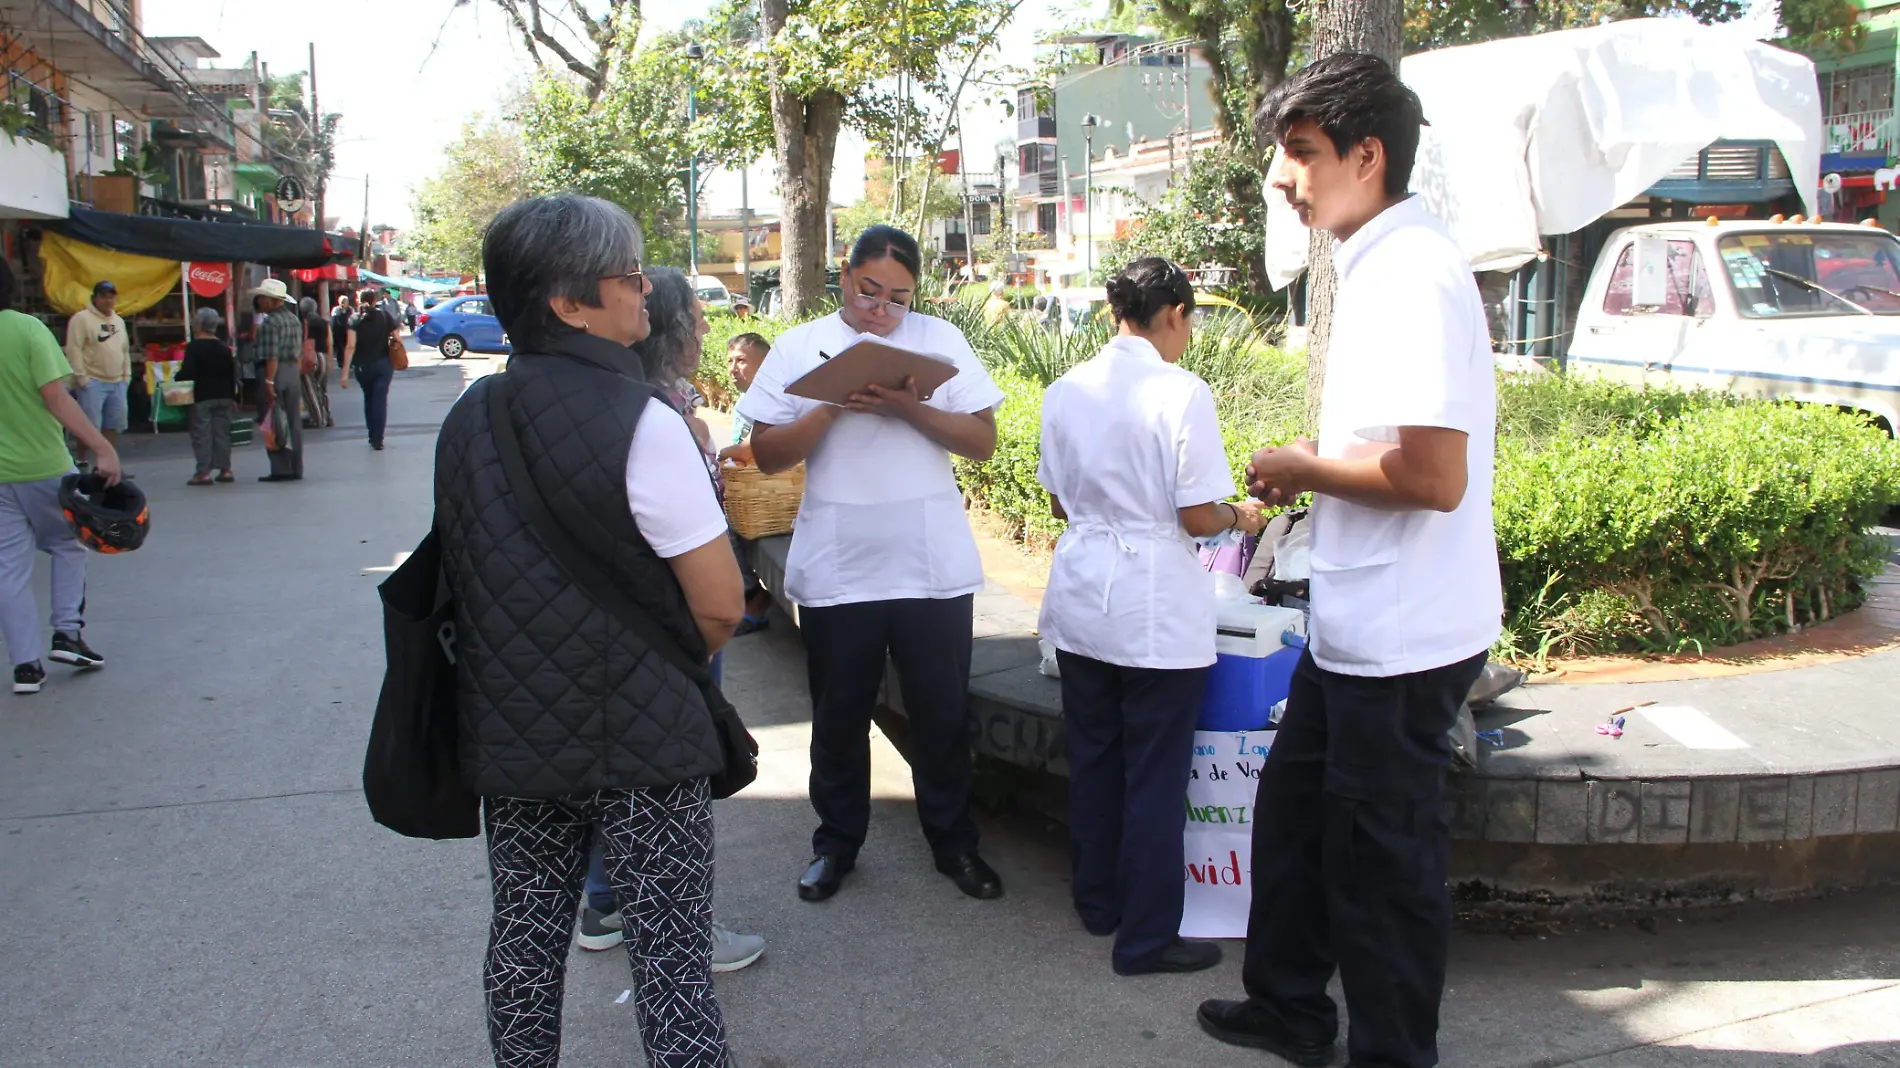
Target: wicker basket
column 759, row 505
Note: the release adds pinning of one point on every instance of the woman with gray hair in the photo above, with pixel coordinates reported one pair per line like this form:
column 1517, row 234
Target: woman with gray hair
column 571, row 725
column 211, row 369
column 316, row 379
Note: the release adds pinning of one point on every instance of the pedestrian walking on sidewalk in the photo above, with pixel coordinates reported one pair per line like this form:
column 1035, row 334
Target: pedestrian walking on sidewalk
column 677, row 330
column 884, row 566
column 368, row 351
column 1132, row 459
column 316, row 369
column 99, row 350
column 280, row 340
column 1350, row 843
column 563, row 738
column 34, row 406
column 212, row 371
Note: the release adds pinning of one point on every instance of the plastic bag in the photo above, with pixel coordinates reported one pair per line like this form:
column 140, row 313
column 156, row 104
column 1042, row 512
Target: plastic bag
column 1048, row 666
column 1292, row 553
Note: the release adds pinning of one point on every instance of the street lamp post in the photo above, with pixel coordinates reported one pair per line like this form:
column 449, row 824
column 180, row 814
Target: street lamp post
column 694, row 54
column 1089, row 123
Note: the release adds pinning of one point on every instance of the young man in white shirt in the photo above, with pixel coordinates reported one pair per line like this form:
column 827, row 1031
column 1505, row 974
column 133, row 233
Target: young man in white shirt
column 1350, row 844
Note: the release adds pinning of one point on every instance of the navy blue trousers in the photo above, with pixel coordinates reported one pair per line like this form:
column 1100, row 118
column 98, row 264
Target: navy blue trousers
column 1350, row 851
column 846, row 646
column 1131, row 745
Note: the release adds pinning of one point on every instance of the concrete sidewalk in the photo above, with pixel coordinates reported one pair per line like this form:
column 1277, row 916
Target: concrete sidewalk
column 192, row 879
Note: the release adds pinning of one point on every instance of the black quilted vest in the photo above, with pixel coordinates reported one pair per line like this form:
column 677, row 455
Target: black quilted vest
column 556, row 696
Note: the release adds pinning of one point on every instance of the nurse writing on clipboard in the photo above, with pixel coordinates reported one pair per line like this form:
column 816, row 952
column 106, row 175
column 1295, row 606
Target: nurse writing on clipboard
column 882, row 559
column 1132, row 458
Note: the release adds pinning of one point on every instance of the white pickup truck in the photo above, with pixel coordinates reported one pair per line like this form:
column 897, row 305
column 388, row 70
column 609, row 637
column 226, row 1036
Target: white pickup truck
column 1789, row 310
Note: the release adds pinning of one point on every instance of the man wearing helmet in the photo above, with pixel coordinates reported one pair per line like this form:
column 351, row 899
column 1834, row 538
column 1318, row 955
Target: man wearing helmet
column 34, row 405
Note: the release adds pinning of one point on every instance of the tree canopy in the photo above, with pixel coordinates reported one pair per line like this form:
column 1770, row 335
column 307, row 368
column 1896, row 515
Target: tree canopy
column 484, row 170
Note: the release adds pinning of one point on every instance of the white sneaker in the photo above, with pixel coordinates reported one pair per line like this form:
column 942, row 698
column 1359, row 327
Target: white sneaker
column 732, row 950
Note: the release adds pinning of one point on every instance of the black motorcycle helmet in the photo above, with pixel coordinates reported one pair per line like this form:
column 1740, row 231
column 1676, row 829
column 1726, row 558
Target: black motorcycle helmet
column 107, row 519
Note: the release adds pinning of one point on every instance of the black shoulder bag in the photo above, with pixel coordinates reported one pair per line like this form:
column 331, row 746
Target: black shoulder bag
column 735, row 742
column 412, row 774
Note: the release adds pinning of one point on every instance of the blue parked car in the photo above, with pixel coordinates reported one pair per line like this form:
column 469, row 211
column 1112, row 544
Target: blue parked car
column 462, row 324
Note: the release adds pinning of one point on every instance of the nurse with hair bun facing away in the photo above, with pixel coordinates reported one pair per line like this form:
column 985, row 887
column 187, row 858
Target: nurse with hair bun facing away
column 1132, row 458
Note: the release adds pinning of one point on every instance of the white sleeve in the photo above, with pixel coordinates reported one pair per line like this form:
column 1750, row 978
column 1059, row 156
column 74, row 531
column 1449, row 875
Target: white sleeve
column 1422, row 344
column 766, row 401
column 972, row 390
column 1201, row 474
column 1048, row 470
column 668, row 489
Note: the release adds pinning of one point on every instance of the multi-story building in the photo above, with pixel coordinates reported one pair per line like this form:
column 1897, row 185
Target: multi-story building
column 1862, row 137
column 118, row 152
column 1123, row 89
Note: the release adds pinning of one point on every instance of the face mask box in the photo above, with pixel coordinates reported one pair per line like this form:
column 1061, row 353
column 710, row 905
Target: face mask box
column 1253, row 669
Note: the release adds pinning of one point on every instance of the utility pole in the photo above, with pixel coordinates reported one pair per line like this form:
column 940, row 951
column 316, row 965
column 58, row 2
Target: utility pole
column 1089, row 123
column 693, row 55
column 745, row 235
column 316, row 140
column 1187, row 106
column 969, row 211
column 362, row 236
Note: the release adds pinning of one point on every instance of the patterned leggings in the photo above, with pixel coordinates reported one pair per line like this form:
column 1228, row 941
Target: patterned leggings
column 659, row 849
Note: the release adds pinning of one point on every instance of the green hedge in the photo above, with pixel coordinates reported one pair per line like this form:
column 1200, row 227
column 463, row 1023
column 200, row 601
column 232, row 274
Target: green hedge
column 1627, row 519
column 1661, row 520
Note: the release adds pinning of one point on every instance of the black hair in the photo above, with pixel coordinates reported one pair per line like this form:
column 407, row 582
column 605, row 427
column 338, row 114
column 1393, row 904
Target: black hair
column 880, row 241
column 1144, row 287
column 542, row 248
column 6, row 285
column 671, row 324
column 756, row 341
column 1353, row 97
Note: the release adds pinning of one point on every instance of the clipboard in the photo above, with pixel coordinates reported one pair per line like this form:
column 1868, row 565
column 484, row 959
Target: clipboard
column 868, row 360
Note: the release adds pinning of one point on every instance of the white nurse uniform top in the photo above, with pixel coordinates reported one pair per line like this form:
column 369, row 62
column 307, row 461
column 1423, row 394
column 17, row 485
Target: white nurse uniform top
column 1128, row 440
column 882, row 518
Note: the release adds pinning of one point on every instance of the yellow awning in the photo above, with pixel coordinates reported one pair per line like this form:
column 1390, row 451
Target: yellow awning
column 72, row 268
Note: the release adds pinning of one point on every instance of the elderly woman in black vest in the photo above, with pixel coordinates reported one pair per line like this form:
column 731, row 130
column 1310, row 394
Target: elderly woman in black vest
column 569, row 721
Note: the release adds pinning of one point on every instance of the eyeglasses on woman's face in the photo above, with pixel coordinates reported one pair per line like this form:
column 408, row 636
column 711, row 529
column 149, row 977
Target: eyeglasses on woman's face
column 872, row 302
column 635, row 276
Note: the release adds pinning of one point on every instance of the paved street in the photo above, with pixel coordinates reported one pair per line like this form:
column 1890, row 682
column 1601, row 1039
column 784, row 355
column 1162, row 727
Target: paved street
column 192, row 879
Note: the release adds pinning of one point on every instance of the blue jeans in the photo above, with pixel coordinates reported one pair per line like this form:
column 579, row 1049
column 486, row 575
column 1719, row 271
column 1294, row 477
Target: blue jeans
column 374, row 378
column 600, row 896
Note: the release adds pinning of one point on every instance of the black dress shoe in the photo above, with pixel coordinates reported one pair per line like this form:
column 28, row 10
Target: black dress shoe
column 277, row 478
column 1181, row 956
column 1245, row 1023
column 972, row 876
column 823, row 878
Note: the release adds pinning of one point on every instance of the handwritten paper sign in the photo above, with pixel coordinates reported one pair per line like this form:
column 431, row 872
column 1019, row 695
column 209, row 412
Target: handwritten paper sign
column 1218, row 840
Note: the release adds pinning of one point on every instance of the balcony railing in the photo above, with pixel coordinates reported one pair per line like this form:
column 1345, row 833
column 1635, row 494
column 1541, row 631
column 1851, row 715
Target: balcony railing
column 1861, row 133
column 1035, row 127
column 1037, row 185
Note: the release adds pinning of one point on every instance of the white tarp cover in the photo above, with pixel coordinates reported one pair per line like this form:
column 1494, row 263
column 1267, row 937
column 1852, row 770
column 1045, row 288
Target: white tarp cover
column 1546, row 134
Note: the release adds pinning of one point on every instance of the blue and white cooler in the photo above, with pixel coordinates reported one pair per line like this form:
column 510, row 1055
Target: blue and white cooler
column 1253, row 665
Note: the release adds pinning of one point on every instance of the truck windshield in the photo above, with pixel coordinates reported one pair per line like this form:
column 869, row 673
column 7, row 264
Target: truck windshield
column 1768, row 269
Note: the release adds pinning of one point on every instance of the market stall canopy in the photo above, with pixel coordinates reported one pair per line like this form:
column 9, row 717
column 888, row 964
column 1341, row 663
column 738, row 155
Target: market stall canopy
column 209, row 242
column 420, row 285
column 1546, row 134
column 69, row 269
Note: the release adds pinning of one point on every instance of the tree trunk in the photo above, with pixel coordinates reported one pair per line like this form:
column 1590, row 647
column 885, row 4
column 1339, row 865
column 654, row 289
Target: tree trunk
column 805, row 131
column 1376, row 27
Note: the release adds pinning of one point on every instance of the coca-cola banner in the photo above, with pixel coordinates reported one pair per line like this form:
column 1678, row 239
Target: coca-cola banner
column 209, row 279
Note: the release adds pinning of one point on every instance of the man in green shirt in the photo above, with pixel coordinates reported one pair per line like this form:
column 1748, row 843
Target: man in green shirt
column 34, row 405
